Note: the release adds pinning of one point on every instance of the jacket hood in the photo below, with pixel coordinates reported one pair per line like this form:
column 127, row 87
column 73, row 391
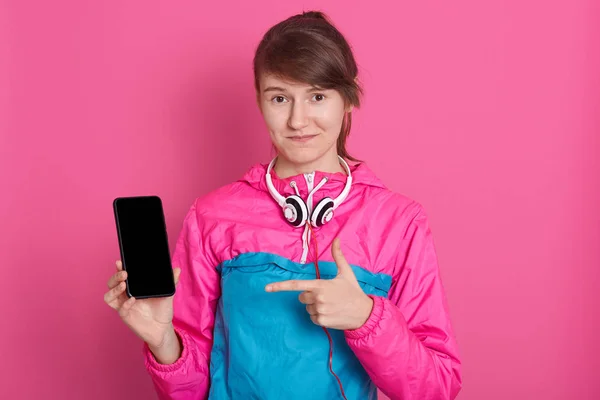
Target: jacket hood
column 361, row 176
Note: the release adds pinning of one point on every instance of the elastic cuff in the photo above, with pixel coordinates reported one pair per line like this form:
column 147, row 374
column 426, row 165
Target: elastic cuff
column 371, row 322
column 156, row 366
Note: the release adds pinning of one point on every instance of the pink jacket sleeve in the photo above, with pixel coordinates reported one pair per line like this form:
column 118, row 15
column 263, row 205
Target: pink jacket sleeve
column 407, row 345
column 188, row 377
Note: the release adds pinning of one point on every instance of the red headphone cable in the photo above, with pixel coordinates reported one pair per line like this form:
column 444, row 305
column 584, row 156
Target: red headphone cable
column 324, row 328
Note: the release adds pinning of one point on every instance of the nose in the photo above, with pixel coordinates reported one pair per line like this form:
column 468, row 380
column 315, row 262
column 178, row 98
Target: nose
column 299, row 116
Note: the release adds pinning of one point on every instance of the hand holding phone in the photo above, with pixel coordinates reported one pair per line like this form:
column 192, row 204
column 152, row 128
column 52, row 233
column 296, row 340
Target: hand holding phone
column 151, row 319
column 142, row 289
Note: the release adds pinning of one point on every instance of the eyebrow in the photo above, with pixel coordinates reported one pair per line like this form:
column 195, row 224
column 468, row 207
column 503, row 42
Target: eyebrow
column 280, row 89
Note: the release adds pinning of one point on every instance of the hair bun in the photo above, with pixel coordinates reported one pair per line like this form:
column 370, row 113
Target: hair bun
column 314, row 15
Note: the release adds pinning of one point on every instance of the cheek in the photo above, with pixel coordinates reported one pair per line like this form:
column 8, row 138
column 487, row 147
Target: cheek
column 275, row 120
column 329, row 119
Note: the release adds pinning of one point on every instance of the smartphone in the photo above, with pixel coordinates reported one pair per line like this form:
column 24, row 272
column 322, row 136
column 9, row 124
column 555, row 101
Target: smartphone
column 144, row 246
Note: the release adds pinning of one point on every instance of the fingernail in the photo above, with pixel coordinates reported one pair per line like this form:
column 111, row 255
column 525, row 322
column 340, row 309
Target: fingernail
column 269, row 288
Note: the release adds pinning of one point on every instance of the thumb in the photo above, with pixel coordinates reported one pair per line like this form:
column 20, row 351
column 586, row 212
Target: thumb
column 344, row 268
column 176, row 274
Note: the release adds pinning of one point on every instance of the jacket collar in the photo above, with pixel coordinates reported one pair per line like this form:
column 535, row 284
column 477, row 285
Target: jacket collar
column 361, row 176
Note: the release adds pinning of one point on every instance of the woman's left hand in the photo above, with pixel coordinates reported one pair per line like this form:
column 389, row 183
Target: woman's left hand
column 337, row 303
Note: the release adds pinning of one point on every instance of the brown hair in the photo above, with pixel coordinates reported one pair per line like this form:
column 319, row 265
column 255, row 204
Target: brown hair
column 308, row 48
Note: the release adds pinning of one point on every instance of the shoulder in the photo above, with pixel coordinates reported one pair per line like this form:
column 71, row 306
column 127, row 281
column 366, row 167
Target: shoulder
column 399, row 215
column 232, row 201
column 393, row 206
column 222, row 201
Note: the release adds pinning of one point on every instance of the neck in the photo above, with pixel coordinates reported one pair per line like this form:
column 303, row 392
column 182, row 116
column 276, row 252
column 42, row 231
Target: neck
column 285, row 168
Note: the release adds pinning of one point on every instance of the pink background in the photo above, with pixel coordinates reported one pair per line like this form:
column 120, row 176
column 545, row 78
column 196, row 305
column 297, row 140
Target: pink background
column 487, row 112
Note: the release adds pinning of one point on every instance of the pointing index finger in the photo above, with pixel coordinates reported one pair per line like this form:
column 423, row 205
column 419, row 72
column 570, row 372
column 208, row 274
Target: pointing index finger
column 294, row 285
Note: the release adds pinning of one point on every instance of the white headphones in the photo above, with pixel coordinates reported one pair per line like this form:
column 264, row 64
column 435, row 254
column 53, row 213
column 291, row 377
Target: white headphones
column 295, row 209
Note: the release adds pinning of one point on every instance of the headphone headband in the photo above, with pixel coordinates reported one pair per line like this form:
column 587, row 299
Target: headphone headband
column 281, row 200
column 346, row 190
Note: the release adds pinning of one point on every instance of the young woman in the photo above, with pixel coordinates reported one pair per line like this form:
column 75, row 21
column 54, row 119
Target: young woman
column 307, row 278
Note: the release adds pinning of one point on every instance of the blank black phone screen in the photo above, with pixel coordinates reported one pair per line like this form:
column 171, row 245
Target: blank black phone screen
column 144, row 246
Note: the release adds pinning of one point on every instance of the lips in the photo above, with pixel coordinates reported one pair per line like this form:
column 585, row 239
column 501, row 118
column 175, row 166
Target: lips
column 303, row 138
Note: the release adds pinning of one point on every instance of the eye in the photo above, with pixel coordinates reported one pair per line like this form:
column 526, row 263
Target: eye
column 319, row 97
column 278, row 99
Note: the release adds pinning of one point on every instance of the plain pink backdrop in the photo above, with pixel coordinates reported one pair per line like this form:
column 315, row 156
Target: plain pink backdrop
column 487, row 112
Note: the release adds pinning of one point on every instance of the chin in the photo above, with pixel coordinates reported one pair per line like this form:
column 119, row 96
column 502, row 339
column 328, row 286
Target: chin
column 301, row 156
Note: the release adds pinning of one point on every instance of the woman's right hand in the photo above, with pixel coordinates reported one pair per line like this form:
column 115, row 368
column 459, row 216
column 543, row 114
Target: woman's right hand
column 150, row 319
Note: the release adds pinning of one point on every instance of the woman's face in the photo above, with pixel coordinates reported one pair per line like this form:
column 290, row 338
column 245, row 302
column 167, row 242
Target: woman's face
column 304, row 122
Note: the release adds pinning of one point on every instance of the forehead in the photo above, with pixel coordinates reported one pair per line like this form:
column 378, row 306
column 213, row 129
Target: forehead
column 270, row 80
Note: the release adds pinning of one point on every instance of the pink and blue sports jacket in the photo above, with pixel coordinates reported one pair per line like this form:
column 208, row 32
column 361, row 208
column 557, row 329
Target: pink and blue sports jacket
column 241, row 342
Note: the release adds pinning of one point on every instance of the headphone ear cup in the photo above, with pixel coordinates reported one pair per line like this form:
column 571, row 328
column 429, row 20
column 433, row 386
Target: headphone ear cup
column 295, row 211
column 322, row 213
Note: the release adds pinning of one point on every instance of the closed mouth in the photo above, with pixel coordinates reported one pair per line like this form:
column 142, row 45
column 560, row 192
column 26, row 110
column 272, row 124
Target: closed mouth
column 302, row 138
